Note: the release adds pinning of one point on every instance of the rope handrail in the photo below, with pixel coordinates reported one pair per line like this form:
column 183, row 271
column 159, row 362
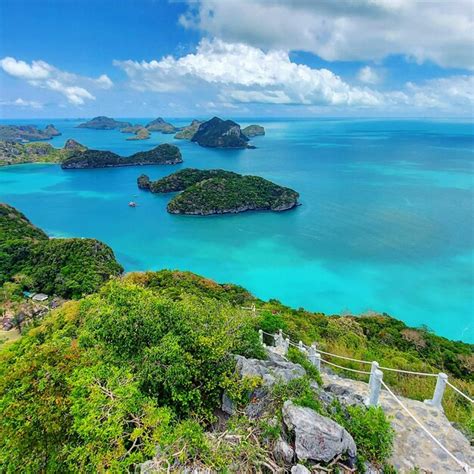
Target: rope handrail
column 459, row 391
column 464, row 466
column 346, row 368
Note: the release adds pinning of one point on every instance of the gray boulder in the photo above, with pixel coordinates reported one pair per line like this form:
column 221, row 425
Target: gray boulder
column 317, row 438
column 283, row 452
column 271, row 370
column 300, row 469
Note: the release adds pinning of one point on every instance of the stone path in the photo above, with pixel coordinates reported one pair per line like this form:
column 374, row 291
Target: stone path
column 413, row 448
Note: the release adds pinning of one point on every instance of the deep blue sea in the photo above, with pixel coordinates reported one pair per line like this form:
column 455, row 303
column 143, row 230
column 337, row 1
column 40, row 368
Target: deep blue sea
column 386, row 222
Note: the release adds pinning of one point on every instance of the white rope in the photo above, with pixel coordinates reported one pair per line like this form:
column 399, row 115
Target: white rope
column 460, row 393
column 346, row 368
column 408, row 372
column 462, row 464
column 344, row 357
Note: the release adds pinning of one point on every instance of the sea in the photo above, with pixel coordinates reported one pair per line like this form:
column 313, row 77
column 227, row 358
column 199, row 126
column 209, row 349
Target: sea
column 386, row 221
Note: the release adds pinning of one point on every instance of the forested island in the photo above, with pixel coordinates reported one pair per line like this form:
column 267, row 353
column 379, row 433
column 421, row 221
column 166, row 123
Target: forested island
column 209, row 192
column 164, row 154
column 104, row 123
column 13, row 153
column 65, row 267
column 27, row 133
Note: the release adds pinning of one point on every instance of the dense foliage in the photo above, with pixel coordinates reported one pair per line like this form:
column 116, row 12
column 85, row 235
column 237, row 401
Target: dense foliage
column 183, row 179
column 164, row 154
column 101, row 382
column 65, row 267
column 230, row 194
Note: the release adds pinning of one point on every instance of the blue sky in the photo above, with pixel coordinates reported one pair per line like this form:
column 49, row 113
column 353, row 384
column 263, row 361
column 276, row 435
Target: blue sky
column 143, row 58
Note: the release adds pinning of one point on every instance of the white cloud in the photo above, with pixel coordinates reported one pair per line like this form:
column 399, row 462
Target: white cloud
column 368, row 75
column 437, row 31
column 246, row 74
column 22, row 103
column 44, row 75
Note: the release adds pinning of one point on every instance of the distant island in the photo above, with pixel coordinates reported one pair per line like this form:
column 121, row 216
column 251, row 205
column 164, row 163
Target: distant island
column 253, row 131
column 209, row 192
column 213, row 133
column 14, row 153
column 27, row 133
column 188, row 132
column 164, row 154
column 218, row 133
column 160, row 125
column 104, row 123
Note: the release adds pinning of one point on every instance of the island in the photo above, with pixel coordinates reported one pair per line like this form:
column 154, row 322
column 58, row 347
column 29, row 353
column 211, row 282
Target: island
column 140, row 134
column 164, row 154
column 253, row 131
column 218, row 133
column 188, row 132
column 104, row 123
column 27, row 133
column 14, row 153
column 210, row 192
column 160, row 125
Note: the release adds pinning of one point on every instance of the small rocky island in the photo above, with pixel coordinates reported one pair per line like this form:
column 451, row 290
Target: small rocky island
column 253, row 131
column 209, row 192
column 164, row 154
column 27, row 133
column 218, row 133
column 104, row 123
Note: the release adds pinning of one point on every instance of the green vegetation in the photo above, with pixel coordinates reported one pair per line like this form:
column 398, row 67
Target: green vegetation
column 101, row 382
column 185, row 178
column 161, row 155
column 66, row 267
column 233, row 194
column 12, row 153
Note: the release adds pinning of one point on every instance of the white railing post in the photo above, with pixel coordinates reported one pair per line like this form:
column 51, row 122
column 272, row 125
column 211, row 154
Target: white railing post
column 437, row 399
column 314, row 357
column 260, row 336
column 373, row 368
column 375, row 388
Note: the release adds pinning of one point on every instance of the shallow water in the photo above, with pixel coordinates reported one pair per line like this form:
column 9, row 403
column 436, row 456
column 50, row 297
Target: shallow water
column 386, row 221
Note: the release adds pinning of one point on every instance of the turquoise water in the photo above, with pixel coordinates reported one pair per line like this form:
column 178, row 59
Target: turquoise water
column 386, row 222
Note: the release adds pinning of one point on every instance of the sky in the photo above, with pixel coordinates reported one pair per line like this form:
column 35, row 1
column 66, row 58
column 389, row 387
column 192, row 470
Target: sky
column 239, row 58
